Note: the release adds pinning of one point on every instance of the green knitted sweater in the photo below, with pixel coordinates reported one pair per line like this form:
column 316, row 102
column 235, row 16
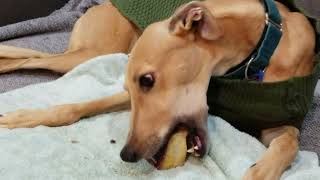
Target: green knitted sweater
column 145, row 12
column 248, row 105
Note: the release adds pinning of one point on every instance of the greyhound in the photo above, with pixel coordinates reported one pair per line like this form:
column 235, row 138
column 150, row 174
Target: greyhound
column 168, row 73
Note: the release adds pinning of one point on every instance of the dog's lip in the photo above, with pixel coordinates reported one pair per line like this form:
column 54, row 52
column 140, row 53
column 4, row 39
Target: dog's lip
column 193, row 139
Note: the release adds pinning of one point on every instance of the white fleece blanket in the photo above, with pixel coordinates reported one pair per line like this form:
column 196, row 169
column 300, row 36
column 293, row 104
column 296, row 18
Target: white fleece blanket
column 83, row 150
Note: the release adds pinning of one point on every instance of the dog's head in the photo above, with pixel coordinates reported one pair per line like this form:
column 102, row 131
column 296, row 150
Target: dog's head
column 167, row 77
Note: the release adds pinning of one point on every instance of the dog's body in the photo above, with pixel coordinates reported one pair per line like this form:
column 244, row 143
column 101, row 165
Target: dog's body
column 169, row 71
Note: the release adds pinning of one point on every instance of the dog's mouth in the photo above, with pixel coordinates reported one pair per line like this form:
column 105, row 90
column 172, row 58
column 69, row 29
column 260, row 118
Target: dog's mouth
column 195, row 142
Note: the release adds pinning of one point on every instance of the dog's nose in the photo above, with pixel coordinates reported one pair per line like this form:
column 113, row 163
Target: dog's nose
column 129, row 155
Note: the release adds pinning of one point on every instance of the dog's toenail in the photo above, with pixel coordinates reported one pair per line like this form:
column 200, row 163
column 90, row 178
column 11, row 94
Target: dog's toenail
column 253, row 165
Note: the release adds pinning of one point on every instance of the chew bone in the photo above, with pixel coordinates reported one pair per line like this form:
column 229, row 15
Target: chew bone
column 176, row 152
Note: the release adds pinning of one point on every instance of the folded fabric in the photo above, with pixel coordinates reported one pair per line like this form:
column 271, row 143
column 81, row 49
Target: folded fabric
column 84, row 151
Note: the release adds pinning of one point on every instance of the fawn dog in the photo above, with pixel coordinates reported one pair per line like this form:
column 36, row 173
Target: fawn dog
column 169, row 70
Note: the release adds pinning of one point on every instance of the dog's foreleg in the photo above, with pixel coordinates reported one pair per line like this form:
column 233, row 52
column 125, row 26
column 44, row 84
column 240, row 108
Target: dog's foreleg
column 64, row 114
column 10, row 52
column 283, row 146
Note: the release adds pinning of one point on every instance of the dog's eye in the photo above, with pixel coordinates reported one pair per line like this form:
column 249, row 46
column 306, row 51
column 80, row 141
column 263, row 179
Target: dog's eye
column 146, row 81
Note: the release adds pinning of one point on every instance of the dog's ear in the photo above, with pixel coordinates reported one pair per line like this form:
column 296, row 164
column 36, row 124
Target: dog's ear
column 195, row 18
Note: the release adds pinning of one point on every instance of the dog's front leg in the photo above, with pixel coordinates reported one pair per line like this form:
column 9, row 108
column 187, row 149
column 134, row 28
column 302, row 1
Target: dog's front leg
column 283, row 147
column 64, row 114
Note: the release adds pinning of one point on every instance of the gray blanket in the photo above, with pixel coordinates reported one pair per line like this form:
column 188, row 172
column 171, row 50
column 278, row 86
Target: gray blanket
column 48, row 34
column 51, row 34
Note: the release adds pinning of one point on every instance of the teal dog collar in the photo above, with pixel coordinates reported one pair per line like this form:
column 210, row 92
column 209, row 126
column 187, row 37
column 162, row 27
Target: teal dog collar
column 253, row 67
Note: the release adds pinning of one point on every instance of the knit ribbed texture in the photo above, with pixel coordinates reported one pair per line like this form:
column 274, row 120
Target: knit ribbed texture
column 247, row 104
column 145, row 12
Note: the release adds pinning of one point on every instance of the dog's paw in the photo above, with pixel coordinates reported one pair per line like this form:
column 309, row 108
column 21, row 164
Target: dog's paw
column 54, row 116
column 260, row 171
column 18, row 119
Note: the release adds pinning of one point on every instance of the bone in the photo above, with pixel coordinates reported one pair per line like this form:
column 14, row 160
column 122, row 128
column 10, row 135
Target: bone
column 176, row 152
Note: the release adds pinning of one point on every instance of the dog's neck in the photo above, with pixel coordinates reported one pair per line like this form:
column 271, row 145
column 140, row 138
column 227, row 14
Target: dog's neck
column 243, row 24
column 254, row 66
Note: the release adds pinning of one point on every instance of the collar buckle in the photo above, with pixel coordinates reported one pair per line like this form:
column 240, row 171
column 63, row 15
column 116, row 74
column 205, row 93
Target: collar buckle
column 269, row 21
column 246, row 75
